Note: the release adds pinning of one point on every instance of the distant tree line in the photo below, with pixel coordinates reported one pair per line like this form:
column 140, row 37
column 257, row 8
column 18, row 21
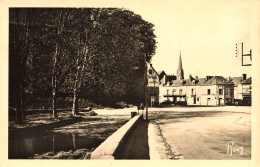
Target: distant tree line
column 61, row 52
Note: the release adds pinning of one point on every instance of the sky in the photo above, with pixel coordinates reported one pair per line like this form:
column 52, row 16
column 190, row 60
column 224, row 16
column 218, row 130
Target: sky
column 205, row 33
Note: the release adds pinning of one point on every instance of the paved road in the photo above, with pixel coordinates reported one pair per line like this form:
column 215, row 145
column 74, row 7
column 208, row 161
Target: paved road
column 205, row 132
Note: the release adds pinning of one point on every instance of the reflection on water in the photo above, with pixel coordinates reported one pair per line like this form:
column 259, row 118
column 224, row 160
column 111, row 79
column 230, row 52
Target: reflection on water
column 21, row 147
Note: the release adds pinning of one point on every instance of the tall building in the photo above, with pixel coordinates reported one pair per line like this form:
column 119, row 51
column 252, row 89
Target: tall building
column 152, row 90
column 180, row 73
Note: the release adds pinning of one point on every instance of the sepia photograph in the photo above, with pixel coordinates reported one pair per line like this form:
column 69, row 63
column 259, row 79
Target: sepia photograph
column 160, row 80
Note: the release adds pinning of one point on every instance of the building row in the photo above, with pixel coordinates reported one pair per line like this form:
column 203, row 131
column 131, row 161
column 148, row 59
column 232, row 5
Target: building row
column 163, row 89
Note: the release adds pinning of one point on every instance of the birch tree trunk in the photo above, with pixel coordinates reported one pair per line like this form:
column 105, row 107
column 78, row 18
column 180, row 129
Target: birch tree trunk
column 78, row 80
column 55, row 56
column 75, row 91
column 54, row 84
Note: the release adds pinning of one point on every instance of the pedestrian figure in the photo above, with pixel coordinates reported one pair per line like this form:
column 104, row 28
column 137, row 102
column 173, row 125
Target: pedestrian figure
column 141, row 106
column 236, row 103
column 92, row 113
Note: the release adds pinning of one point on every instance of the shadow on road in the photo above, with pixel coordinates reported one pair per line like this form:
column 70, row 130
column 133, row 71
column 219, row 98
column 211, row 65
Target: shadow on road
column 135, row 145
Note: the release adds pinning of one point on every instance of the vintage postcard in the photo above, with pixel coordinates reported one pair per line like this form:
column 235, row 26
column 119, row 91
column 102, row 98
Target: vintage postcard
column 116, row 83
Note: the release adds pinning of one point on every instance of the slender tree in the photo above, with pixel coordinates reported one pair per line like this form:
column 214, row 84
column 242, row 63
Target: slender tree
column 58, row 36
column 86, row 19
column 19, row 20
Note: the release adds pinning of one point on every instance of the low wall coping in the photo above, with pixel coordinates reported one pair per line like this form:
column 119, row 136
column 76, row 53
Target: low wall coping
column 107, row 149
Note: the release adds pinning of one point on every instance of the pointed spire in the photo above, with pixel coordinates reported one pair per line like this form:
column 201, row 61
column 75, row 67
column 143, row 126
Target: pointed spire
column 180, row 73
column 180, row 61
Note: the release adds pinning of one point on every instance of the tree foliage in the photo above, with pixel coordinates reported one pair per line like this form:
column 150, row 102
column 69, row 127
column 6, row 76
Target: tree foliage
column 122, row 39
column 65, row 51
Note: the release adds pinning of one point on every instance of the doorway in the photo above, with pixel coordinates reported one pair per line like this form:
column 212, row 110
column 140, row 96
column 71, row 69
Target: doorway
column 208, row 101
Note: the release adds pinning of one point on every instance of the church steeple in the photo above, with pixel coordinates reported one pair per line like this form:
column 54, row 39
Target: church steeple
column 180, row 73
column 180, row 62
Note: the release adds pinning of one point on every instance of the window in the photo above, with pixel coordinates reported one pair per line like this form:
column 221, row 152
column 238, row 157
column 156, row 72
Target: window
column 150, row 71
column 173, row 91
column 228, row 91
column 180, row 91
column 208, row 102
column 220, row 91
column 208, row 91
column 193, row 91
column 167, row 91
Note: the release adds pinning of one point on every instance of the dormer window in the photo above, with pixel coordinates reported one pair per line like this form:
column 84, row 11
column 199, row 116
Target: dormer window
column 150, row 71
column 193, row 82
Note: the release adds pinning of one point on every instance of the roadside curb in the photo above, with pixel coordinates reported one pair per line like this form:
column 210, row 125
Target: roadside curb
column 159, row 149
column 153, row 142
column 111, row 146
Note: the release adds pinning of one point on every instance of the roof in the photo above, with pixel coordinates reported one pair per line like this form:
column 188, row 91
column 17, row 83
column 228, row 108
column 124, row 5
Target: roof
column 170, row 78
column 201, row 81
column 217, row 80
column 161, row 72
column 198, row 81
column 152, row 68
column 179, row 82
column 247, row 81
column 236, row 80
column 214, row 80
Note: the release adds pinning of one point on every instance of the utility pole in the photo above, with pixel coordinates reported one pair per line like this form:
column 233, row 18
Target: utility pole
column 145, row 87
column 243, row 55
column 154, row 91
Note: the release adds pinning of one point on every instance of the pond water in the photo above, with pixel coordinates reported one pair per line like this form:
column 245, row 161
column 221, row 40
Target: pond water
column 24, row 147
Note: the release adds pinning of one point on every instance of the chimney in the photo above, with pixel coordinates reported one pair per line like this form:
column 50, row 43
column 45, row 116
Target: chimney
column 190, row 78
column 229, row 78
column 208, row 77
column 243, row 77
